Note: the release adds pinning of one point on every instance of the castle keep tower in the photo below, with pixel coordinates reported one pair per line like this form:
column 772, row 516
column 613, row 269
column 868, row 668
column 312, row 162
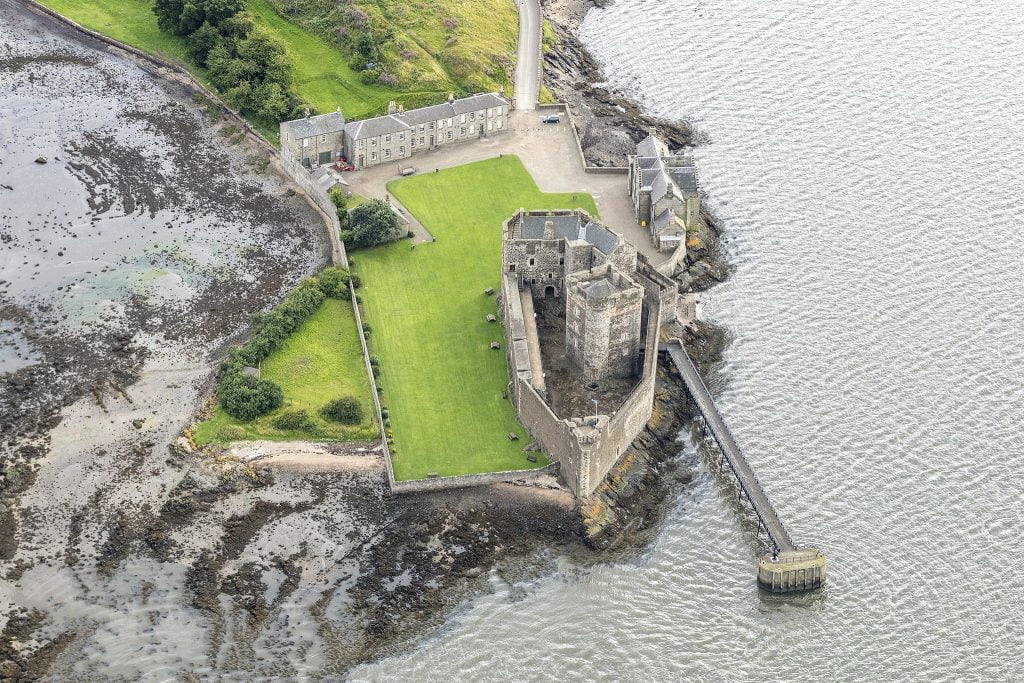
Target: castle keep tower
column 602, row 323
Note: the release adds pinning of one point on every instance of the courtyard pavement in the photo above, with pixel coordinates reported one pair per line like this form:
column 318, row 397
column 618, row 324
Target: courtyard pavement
column 550, row 154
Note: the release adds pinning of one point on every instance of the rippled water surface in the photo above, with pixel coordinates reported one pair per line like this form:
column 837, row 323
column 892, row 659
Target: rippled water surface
column 866, row 157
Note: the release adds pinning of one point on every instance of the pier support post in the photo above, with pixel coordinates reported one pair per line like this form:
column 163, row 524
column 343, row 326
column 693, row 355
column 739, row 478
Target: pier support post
column 791, row 571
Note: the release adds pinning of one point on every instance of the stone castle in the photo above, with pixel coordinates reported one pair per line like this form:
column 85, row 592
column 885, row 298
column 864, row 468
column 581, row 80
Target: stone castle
column 582, row 312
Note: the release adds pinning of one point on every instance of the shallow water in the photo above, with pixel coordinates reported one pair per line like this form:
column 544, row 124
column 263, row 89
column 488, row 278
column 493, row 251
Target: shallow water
column 865, row 158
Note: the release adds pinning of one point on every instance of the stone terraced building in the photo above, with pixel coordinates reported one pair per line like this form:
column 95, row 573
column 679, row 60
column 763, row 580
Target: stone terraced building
column 314, row 141
column 664, row 191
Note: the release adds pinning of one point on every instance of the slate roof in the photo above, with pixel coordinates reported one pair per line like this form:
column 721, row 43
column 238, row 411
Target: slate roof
column 321, row 124
column 570, row 228
column 601, row 237
column 566, row 227
column 657, row 174
column 404, row 121
column 380, row 125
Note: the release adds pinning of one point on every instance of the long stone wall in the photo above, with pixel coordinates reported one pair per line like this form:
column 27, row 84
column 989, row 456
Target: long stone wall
column 584, row 455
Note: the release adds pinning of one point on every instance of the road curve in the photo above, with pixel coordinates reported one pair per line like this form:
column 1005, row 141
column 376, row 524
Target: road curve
column 527, row 86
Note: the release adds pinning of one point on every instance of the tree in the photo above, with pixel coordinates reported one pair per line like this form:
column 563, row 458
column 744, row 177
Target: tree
column 199, row 45
column 168, row 14
column 245, row 397
column 345, row 410
column 372, row 223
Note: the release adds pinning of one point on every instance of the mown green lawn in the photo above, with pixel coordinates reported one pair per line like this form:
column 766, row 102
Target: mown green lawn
column 323, row 360
column 322, row 74
column 442, row 384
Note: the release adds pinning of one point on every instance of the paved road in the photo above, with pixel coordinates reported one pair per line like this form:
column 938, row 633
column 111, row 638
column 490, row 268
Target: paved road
column 528, row 56
column 740, row 467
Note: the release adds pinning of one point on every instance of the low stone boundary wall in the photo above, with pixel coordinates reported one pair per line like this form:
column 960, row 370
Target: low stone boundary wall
column 563, row 108
column 467, row 480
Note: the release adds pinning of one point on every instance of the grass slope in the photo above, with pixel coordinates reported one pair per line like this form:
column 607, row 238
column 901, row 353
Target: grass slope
column 321, row 361
column 442, row 383
column 322, row 74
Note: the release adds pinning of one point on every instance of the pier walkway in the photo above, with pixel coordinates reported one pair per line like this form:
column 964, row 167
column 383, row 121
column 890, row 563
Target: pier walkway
column 788, row 568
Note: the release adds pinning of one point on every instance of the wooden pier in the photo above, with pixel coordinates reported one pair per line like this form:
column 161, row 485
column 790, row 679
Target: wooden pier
column 787, row 568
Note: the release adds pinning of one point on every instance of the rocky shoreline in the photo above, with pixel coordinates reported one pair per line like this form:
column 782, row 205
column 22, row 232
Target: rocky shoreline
column 609, row 125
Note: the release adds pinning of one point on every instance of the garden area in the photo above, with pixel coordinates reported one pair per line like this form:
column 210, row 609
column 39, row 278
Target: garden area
column 441, row 382
column 323, row 390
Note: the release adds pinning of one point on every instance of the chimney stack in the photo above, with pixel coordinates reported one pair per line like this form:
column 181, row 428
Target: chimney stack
column 401, row 109
column 549, row 230
column 451, row 97
column 392, row 107
column 306, row 112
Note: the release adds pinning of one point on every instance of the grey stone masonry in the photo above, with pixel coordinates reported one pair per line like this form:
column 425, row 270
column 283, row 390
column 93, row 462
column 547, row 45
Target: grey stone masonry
column 602, row 322
column 664, row 191
column 400, row 134
column 314, row 141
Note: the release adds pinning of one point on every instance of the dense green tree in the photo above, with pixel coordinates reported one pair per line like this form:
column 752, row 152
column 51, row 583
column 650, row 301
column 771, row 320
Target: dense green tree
column 168, row 15
column 201, row 42
column 372, row 223
column 244, row 397
column 334, row 282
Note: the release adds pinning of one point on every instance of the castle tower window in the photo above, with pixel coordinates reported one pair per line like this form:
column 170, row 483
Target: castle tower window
column 532, row 262
column 512, row 268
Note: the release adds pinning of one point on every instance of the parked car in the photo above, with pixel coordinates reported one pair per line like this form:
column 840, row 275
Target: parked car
column 552, row 118
column 408, row 170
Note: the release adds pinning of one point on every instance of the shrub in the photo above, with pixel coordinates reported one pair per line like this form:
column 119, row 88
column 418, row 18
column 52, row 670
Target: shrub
column 372, row 223
column 244, row 397
column 291, row 420
column 334, row 283
column 345, row 410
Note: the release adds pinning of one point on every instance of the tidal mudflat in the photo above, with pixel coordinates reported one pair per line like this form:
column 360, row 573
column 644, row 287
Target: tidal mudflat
column 138, row 231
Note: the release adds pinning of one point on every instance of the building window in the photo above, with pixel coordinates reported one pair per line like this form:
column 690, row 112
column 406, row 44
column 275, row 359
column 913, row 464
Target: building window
column 373, row 156
column 462, row 131
column 490, row 125
column 421, row 127
column 499, row 123
column 401, row 136
column 430, row 125
column 387, row 139
column 561, row 260
column 532, row 261
column 305, row 142
column 462, row 119
column 421, row 139
column 373, row 142
column 449, row 135
column 323, row 138
column 387, row 154
column 472, row 115
column 512, row 268
column 550, row 276
column 401, row 151
column 450, row 124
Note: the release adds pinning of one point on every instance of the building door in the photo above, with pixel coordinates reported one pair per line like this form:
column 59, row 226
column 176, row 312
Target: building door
column 549, row 292
column 431, row 140
column 481, row 133
column 362, row 161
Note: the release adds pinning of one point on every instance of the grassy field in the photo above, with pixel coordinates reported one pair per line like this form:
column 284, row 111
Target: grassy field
column 322, row 74
column 320, row 362
column 442, row 383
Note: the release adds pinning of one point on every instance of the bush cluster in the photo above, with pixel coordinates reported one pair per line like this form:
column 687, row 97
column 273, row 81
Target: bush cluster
column 291, row 420
column 245, row 397
column 345, row 410
column 245, row 63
